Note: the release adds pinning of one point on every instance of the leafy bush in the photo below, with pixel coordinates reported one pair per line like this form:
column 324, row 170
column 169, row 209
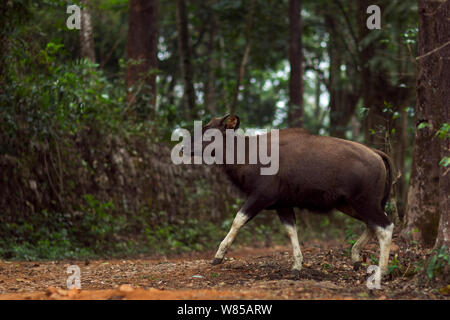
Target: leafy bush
column 437, row 262
column 43, row 98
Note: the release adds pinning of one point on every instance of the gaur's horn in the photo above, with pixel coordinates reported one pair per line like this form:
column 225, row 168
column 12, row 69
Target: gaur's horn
column 224, row 118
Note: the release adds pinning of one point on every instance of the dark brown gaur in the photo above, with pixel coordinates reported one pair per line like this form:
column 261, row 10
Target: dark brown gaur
column 317, row 173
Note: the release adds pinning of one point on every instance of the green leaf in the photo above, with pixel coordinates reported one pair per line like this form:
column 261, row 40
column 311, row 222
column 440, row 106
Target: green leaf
column 445, row 162
column 431, row 267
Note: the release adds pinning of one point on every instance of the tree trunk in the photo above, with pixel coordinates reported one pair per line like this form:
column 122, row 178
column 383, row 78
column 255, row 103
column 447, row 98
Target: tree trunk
column 295, row 113
column 382, row 99
column 343, row 98
column 184, row 50
column 427, row 208
column 87, row 49
column 374, row 84
column 400, row 144
column 142, row 46
column 241, row 71
column 210, row 94
column 443, row 236
column 438, row 17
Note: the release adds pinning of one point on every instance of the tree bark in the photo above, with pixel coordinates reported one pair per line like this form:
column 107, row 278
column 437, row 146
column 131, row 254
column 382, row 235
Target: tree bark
column 295, row 112
column 210, row 94
column 241, row 71
column 439, row 14
column 142, row 46
column 87, row 49
column 381, row 129
column 374, row 84
column 184, row 50
column 343, row 98
column 400, row 144
column 443, row 236
column 428, row 206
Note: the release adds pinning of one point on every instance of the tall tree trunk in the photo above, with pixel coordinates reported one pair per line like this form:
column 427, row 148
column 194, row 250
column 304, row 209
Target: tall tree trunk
column 443, row 236
column 428, row 206
column 210, row 94
column 87, row 49
column 374, row 84
column 442, row 73
column 295, row 112
column 184, row 50
column 241, row 71
column 343, row 97
column 142, row 46
column 400, row 144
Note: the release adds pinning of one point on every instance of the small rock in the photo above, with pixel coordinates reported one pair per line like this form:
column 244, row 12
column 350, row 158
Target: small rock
column 72, row 293
column 50, row 290
column 62, row 292
column 126, row 288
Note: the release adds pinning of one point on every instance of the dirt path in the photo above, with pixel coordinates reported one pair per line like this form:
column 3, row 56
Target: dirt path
column 248, row 273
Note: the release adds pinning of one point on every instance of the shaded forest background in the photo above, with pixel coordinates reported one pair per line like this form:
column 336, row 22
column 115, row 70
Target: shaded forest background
column 86, row 115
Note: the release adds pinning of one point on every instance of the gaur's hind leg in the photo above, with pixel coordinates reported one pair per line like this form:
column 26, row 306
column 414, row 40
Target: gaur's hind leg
column 359, row 245
column 251, row 208
column 384, row 235
column 287, row 217
column 362, row 241
column 376, row 219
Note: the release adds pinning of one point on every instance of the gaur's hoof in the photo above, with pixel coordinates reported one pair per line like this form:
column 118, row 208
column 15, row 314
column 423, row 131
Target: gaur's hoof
column 356, row 266
column 216, row 261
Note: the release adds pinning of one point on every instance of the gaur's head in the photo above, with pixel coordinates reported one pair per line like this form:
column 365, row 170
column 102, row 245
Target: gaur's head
column 221, row 124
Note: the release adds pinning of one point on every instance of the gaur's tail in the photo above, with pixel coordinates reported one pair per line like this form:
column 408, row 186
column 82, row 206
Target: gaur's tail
column 389, row 175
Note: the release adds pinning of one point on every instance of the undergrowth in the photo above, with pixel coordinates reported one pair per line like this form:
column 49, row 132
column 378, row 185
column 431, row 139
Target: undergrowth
column 96, row 231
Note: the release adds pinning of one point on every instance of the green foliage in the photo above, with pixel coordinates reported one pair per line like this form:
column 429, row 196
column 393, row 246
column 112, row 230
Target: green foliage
column 423, row 125
column 437, row 262
column 373, row 259
column 350, row 236
column 445, row 161
column 43, row 99
column 444, row 131
column 91, row 231
column 395, row 267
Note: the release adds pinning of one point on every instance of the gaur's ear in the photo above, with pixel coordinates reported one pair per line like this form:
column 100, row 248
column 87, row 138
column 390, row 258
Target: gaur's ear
column 232, row 122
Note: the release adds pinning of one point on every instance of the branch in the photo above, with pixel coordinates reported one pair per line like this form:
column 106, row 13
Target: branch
column 433, row 51
column 347, row 21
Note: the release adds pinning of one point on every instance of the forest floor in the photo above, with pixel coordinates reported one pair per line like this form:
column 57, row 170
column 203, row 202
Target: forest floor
column 247, row 273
